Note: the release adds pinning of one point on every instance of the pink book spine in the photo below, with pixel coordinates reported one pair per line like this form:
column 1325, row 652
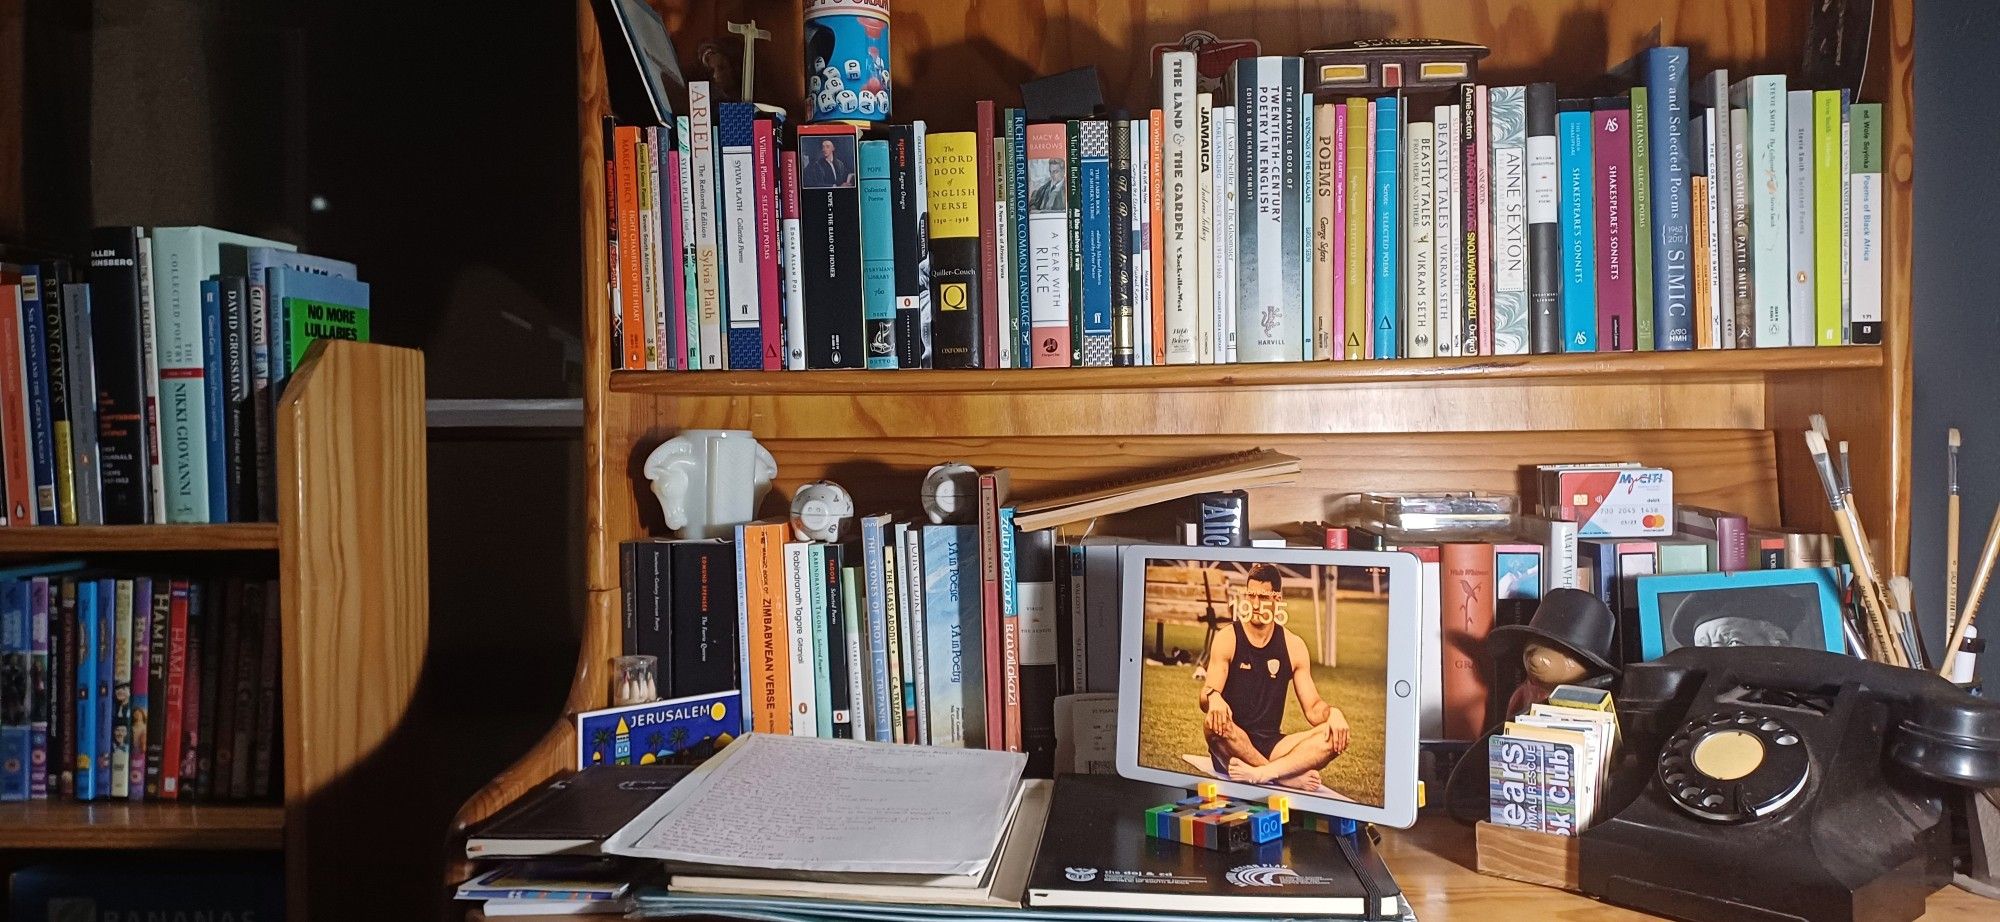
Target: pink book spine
column 1361, row 174
column 1339, row 232
column 676, row 358
column 1613, row 146
column 1483, row 183
column 770, row 319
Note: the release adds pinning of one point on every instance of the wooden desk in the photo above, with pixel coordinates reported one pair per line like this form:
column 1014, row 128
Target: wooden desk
column 1433, row 861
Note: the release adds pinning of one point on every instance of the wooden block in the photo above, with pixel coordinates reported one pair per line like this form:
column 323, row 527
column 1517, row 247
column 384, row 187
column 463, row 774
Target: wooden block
column 1531, row 857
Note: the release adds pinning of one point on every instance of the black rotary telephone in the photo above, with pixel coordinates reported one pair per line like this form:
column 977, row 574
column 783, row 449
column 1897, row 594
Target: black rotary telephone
column 1767, row 783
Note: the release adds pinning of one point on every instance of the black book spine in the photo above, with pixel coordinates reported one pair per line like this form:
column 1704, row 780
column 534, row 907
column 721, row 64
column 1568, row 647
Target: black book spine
column 906, row 217
column 212, row 654
column 1544, row 229
column 703, row 616
column 54, row 276
column 1124, row 336
column 1065, row 617
column 1073, row 168
column 121, row 393
column 249, row 614
column 1040, row 678
column 1473, row 169
column 62, row 688
column 628, row 594
column 156, row 679
column 839, row 699
column 652, row 625
column 240, row 457
column 220, row 762
column 830, row 238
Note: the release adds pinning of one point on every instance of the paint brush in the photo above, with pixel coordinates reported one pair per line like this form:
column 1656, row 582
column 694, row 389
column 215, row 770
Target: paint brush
column 1880, row 635
column 1981, row 574
column 1951, row 530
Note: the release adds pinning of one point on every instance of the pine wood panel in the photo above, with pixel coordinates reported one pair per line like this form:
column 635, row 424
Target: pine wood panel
column 356, row 587
column 947, row 53
column 87, row 539
column 59, row 824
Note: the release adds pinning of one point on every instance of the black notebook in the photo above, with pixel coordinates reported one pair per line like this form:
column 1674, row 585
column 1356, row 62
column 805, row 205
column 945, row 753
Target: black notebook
column 573, row 814
column 1095, row 854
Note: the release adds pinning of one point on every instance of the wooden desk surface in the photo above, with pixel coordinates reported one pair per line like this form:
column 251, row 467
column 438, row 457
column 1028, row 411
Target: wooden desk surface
column 1433, row 862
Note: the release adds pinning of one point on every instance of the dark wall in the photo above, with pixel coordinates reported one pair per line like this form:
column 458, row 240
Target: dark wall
column 1957, row 325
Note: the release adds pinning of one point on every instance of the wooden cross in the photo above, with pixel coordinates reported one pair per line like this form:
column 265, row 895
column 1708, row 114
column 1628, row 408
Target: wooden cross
column 750, row 34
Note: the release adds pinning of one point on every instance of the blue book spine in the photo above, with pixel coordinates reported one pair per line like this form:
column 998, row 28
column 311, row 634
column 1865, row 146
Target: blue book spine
column 822, row 669
column 1666, row 75
column 86, row 689
column 35, row 347
column 16, row 750
column 880, row 711
column 878, row 256
column 1095, row 173
column 735, row 129
column 214, row 399
column 1017, row 205
column 1579, row 232
column 41, row 685
column 1388, row 275
column 107, row 656
column 142, row 692
column 945, row 598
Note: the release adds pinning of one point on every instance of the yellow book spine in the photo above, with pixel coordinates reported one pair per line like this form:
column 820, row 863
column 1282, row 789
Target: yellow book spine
column 1829, row 187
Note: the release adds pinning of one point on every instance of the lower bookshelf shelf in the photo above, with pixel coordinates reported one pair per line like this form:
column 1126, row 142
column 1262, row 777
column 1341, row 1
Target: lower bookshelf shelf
column 205, row 827
column 79, row 539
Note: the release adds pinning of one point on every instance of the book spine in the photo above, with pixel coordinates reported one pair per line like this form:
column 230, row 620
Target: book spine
column 1763, row 99
column 1002, row 312
column 1268, row 327
column 1705, row 326
column 1029, row 582
column 1467, row 573
column 1094, row 172
column 672, row 232
column 178, row 328
column 792, row 231
column 956, row 218
column 151, row 423
column 1827, row 192
column 1743, row 295
column 1181, row 286
column 944, row 612
column 121, row 691
column 1124, row 335
column 1020, row 218
column 704, row 189
column 1507, row 127
column 688, row 303
column 764, row 155
column 649, row 247
column 824, row 612
column 1419, row 296
column 1482, row 126
column 1579, row 237
column 982, row 302
column 1388, row 267
column 1865, row 223
column 1721, row 325
column 239, row 743
column 56, row 372
column 1073, row 236
column 229, row 659
column 1471, row 177
column 770, row 629
column 1545, row 331
column 1611, row 155
column 35, row 356
column 841, row 702
column 239, row 455
column 1846, row 259
column 1207, row 325
column 1667, row 96
column 1302, row 211
column 735, row 135
column 1334, row 114
column 902, row 701
column 1156, row 234
column 265, row 738
column 1799, row 211
column 1000, row 663
column 214, row 429
column 80, row 368
column 1364, row 174
column 916, row 675
column 17, row 466
column 909, row 303
column 1641, row 186
column 613, row 265
column 79, row 607
column 1014, row 657
column 1048, row 234
column 1354, row 169
column 205, row 597
column 881, row 703
column 878, row 254
column 631, row 291
column 1444, row 235
column 831, row 228
column 1227, row 237
column 854, row 628
column 804, row 721
column 1731, row 275
column 1326, row 240
column 16, row 692
column 172, row 736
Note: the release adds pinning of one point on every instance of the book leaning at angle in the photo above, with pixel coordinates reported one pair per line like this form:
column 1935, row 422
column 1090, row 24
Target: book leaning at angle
column 1254, row 468
column 949, row 808
column 573, row 814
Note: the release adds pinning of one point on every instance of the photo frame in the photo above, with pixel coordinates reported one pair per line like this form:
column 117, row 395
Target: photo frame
column 1783, row 608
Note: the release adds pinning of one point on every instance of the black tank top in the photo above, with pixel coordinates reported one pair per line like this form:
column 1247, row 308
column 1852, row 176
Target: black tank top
column 1256, row 686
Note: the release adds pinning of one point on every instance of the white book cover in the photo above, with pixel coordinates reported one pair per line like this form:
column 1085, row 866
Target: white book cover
column 1430, row 669
column 1508, row 120
column 1444, row 334
column 1229, row 195
column 739, row 236
column 1764, row 98
column 1799, row 208
column 1713, row 92
column 1305, row 219
column 702, row 189
column 798, row 633
column 795, row 292
column 857, row 678
column 1419, row 299
column 1181, row 288
column 691, row 273
column 1006, row 320
column 912, row 588
column 149, row 356
column 1558, row 541
column 1721, row 316
column 649, row 250
column 1222, row 308
column 1142, row 211
column 1207, row 324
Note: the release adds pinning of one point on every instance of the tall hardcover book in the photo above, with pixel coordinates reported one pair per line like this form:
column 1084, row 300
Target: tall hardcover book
column 1642, row 222
column 1800, row 224
column 1030, row 582
column 1744, row 276
column 1506, row 117
column 1388, row 266
column 1666, row 78
column 1865, row 223
column 764, row 188
column 951, row 612
column 956, row 287
column 830, row 226
column 120, row 392
column 990, row 185
column 1048, row 241
column 1579, row 228
column 1419, row 291
column 1545, row 328
column 1828, row 191
column 735, row 136
column 1269, row 318
column 1336, row 113
column 1611, row 154
column 1763, row 99
column 1181, row 287
column 1094, row 175
column 1466, row 571
column 911, row 279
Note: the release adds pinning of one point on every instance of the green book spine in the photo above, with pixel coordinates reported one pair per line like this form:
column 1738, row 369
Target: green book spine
column 1642, row 224
column 1828, row 186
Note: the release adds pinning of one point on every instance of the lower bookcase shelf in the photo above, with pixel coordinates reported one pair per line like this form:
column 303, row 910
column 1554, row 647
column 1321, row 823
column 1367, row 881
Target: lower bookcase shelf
column 161, row 825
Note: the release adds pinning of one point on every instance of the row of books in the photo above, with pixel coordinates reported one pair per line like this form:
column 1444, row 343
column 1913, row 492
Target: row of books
column 137, row 687
column 1259, row 225
column 146, row 392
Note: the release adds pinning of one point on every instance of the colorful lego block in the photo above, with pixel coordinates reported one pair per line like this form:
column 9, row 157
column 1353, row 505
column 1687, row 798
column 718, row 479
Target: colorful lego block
column 1214, row 822
column 1331, row 825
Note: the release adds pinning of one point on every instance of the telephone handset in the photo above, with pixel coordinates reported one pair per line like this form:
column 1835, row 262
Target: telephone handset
column 1770, row 779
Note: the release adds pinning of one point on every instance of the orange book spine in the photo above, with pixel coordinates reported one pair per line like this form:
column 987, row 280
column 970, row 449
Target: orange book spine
column 1466, row 571
column 770, row 675
column 626, row 139
column 1155, row 176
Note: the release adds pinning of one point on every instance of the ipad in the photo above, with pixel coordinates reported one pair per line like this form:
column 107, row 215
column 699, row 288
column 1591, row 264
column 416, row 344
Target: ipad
column 1273, row 671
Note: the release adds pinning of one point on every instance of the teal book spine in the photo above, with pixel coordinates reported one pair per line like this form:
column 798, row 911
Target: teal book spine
column 878, row 256
column 1579, row 227
column 1763, row 98
column 816, row 593
column 1388, row 270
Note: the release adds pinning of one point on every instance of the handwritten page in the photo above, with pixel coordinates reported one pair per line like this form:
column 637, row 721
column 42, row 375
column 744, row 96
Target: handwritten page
column 832, row 806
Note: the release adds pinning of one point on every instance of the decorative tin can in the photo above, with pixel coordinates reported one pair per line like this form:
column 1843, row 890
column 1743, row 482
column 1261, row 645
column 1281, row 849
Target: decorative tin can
column 847, row 60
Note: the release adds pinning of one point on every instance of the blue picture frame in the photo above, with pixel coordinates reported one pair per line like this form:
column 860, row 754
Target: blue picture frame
column 1820, row 585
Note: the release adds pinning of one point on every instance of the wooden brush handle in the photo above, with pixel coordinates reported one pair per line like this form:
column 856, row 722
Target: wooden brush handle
column 1972, row 598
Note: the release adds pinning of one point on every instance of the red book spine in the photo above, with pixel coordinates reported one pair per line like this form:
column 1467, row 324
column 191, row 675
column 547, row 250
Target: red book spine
column 676, row 294
column 197, row 653
column 770, row 316
column 989, row 234
column 625, row 157
column 1613, row 153
column 1001, row 686
column 1155, row 181
column 1332, row 537
column 14, row 409
column 1466, row 572
column 177, row 673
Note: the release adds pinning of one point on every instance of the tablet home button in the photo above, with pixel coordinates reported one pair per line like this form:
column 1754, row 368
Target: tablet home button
column 1402, row 688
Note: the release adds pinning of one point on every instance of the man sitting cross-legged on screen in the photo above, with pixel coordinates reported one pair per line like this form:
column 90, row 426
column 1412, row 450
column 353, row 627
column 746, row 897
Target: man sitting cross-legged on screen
column 1243, row 695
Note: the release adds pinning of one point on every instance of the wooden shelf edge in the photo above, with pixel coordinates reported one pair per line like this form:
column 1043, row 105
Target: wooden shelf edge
column 1581, row 368
column 200, row 827
column 241, row 536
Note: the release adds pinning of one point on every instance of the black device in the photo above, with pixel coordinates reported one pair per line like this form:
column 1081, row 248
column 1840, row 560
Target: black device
column 1765, row 783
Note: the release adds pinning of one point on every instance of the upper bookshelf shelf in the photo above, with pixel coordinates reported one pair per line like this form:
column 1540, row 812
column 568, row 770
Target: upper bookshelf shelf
column 58, row 824
column 1579, row 369
column 81, row 539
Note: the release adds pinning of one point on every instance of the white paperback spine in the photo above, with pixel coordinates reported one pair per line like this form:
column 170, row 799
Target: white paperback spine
column 1417, row 277
column 1181, row 287
column 708, row 266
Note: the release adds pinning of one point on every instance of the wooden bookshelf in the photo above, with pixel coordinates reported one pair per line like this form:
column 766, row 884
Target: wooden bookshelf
column 1728, row 423
column 161, row 825
column 118, row 539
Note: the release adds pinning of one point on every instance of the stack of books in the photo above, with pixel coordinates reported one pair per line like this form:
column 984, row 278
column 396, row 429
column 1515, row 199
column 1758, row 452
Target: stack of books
column 1266, row 223
column 145, row 390
column 119, row 686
